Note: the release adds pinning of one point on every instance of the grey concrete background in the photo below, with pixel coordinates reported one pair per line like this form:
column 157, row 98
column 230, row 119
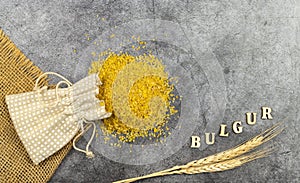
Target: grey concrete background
column 255, row 42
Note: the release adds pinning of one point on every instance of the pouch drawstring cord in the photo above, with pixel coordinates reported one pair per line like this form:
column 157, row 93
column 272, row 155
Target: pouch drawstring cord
column 88, row 153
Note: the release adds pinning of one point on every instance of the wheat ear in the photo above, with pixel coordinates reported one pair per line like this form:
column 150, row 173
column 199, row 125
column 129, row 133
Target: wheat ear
column 225, row 160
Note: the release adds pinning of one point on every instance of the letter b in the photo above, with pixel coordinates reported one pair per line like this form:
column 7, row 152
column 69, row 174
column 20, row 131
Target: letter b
column 195, row 142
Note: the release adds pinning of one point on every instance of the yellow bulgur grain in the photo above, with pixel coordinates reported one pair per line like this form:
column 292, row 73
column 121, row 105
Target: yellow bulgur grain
column 138, row 93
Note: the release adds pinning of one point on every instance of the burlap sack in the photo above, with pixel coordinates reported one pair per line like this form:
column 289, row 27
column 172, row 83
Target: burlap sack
column 17, row 75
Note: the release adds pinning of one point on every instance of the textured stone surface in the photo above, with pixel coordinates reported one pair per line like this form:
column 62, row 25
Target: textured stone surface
column 255, row 43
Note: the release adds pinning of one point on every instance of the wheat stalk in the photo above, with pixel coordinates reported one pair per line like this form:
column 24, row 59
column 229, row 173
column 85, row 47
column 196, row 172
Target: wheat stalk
column 225, row 160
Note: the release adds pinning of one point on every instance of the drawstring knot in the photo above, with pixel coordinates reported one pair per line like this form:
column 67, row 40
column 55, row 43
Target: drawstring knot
column 90, row 154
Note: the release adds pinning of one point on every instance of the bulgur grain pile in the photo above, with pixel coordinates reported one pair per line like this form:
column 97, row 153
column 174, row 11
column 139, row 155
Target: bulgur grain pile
column 138, row 93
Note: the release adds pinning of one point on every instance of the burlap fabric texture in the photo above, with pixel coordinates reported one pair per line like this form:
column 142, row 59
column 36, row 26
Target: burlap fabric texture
column 17, row 75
